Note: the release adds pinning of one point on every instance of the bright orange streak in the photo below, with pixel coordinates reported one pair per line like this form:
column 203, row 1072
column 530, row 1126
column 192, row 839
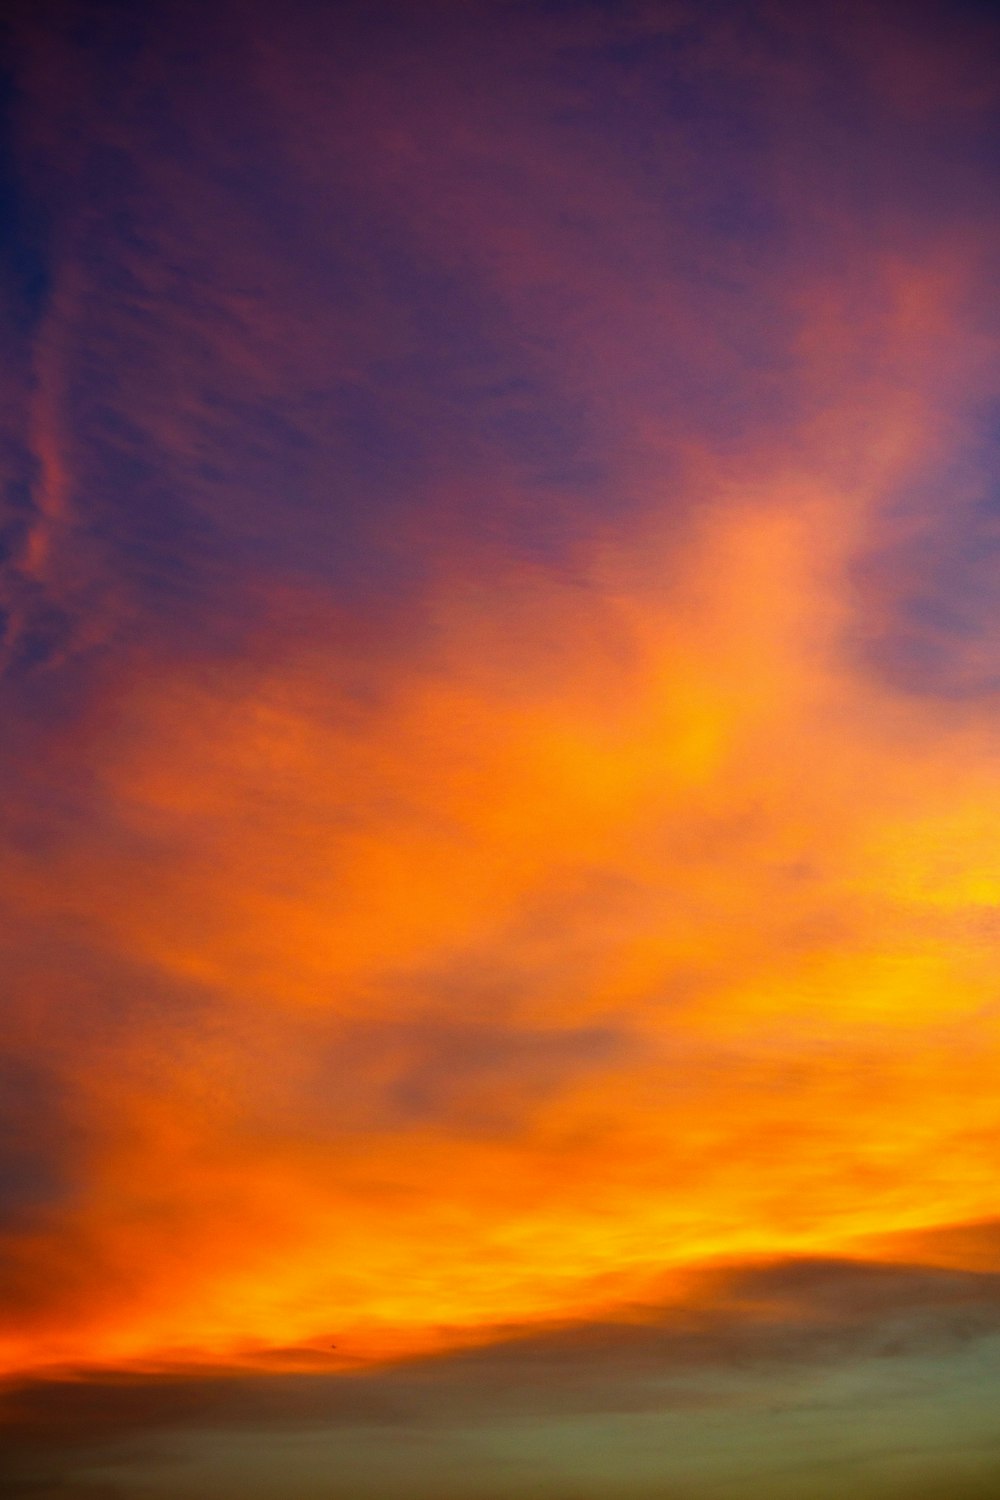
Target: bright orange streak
column 663, row 803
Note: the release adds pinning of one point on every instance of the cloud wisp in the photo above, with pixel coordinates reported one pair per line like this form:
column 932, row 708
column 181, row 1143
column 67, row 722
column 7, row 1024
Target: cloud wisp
column 499, row 787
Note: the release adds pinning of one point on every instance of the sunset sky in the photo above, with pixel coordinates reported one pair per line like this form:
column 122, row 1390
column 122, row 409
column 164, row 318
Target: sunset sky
column 500, row 750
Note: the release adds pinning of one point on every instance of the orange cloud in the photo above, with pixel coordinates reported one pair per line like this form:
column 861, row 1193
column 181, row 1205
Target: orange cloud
column 613, row 914
column 623, row 920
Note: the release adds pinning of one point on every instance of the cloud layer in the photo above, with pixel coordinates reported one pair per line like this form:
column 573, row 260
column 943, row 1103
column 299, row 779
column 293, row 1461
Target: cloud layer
column 499, row 775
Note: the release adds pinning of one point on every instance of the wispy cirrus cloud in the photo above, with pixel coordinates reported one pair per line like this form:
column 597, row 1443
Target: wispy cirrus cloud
column 500, row 738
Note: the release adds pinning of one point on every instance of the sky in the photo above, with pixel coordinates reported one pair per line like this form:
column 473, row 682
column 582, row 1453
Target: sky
column 499, row 750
